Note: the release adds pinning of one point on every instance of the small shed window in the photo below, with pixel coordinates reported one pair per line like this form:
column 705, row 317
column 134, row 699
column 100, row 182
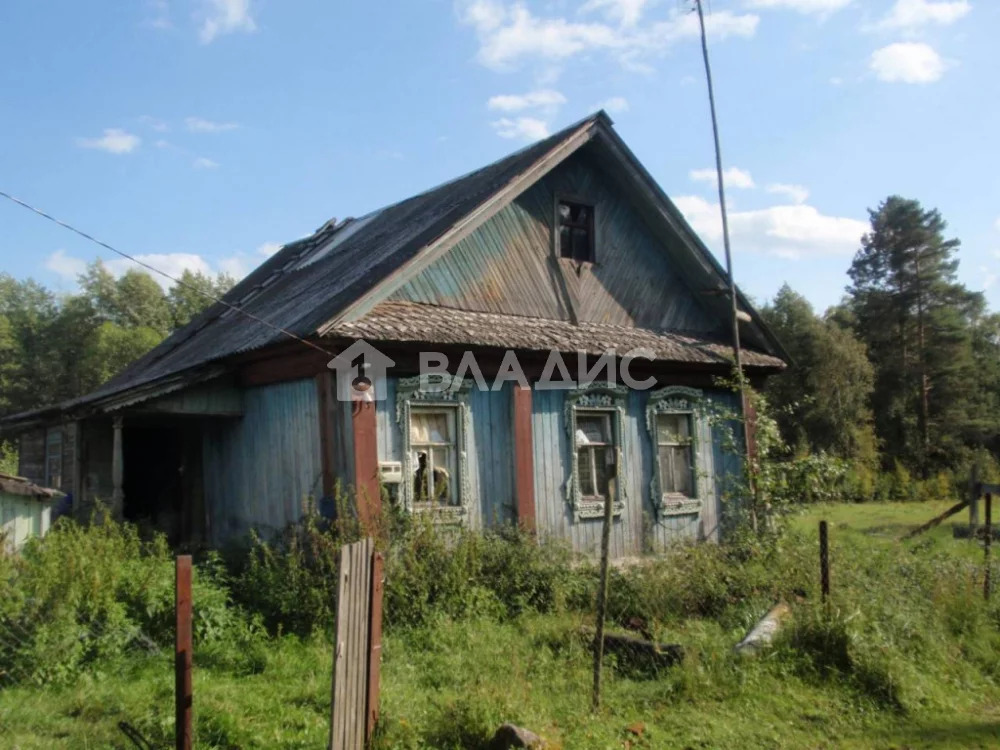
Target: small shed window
column 576, row 231
column 53, row 458
column 433, row 456
column 595, row 450
column 673, row 447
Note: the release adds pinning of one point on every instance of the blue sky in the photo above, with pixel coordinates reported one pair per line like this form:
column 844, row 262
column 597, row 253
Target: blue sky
column 203, row 133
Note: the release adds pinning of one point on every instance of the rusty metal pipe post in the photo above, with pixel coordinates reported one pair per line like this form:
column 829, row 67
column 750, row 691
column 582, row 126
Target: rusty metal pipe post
column 824, row 561
column 987, row 544
column 182, row 655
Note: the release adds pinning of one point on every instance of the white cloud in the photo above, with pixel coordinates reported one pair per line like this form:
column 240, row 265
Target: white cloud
column 795, row 193
column 784, row 231
column 237, row 265
column 907, row 62
column 114, row 141
column 988, row 276
column 997, row 224
column 220, row 17
column 625, row 12
column 911, row 14
column 154, row 123
column 200, row 125
column 800, row 6
column 517, row 102
column 527, row 128
column 614, row 104
column 268, row 249
column 205, row 163
column 65, row 265
column 510, row 33
column 733, row 177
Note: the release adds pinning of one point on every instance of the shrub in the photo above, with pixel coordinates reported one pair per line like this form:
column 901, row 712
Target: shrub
column 86, row 595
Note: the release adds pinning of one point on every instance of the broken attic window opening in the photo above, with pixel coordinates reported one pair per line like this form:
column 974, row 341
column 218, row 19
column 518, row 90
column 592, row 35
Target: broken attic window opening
column 433, row 453
column 674, row 454
column 595, row 453
column 576, row 231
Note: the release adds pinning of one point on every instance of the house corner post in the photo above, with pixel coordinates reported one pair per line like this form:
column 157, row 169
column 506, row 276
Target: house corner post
column 369, row 497
column 117, row 471
column 524, row 459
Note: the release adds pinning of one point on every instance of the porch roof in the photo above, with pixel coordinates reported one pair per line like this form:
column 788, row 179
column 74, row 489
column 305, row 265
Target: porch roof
column 412, row 322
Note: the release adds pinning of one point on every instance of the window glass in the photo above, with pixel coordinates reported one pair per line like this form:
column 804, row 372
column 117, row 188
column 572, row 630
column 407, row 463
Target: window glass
column 595, row 453
column 433, row 446
column 576, row 231
column 674, row 454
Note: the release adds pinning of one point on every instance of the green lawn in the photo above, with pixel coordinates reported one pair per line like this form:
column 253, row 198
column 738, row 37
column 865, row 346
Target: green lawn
column 449, row 683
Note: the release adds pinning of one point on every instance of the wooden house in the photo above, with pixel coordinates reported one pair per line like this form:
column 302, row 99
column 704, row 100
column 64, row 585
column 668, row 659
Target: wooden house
column 566, row 246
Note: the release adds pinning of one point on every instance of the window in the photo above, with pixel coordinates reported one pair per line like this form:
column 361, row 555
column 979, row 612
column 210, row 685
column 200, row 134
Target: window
column 595, row 415
column 595, row 453
column 435, row 424
column 673, row 449
column 53, row 457
column 433, row 457
column 675, row 418
column 576, row 231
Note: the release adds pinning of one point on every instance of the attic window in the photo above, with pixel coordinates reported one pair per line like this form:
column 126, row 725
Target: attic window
column 576, row 231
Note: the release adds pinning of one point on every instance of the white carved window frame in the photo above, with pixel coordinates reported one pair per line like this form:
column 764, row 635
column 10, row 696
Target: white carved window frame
column 676, row 399
column 595, row 397
column 437, row 391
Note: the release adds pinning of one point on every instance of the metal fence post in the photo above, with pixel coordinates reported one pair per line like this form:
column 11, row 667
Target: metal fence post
column 824, row 561
column 182, row 655
column 987, row 582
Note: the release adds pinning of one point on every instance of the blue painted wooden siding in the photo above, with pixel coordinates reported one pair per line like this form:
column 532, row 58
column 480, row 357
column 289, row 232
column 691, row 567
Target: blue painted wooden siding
column 637, row 529
column 506, row 265
column 262, row 469
column 489, row 444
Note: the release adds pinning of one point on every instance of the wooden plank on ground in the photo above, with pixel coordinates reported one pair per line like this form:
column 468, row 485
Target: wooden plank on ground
column 937, row 519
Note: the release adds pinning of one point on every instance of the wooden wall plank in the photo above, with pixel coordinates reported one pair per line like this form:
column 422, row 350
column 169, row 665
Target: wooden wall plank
column 524, row 464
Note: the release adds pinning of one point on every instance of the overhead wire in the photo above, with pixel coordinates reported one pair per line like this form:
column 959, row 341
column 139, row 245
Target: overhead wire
column 164, row 274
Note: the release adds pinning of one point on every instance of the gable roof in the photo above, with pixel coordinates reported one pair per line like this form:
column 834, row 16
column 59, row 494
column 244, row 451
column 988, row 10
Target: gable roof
column 315, row 286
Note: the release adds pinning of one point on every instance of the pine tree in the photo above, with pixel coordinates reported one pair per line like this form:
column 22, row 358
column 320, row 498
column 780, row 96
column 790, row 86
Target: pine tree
column 915, row 319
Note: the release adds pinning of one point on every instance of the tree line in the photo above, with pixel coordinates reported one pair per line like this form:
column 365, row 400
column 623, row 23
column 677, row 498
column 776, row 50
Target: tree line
column 903, row 375
column 56, row 347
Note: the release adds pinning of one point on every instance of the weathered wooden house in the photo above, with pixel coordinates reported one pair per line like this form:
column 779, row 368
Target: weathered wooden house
column 566, row 246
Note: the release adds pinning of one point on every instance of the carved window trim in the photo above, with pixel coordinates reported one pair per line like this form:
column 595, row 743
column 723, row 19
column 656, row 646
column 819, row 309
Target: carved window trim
column 601, row 397
column 676, row 399
column 438, row 391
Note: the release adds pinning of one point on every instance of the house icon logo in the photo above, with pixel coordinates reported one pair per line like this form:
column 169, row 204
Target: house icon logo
column 359, row 367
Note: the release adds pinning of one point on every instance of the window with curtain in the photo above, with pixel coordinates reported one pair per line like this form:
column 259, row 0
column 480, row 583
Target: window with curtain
column 674, row 454
column 595, row 448
column 576, row 231
column 433, row 453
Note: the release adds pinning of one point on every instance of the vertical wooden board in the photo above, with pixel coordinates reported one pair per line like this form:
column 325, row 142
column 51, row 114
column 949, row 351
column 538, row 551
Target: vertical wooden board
column 374, row 645
column 338, row 683
column 369, row 496
column 524, row 468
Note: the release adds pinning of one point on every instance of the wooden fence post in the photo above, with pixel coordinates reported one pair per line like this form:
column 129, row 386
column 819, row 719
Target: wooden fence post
column 602, row 598
column 824, row 561
column 374, row 643
column 986, row 546
column 182, row 655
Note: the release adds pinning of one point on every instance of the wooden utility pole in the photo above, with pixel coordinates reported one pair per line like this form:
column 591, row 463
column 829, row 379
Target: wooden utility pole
column 824, row 561
column 987, row 544
column 737, row 350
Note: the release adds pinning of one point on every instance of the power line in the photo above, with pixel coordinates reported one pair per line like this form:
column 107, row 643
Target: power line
column 164, row 274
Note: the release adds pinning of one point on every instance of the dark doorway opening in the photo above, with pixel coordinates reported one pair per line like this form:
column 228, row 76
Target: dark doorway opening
column 162, row 478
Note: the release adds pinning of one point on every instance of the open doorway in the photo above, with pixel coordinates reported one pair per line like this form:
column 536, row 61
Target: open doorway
column 162, row 478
